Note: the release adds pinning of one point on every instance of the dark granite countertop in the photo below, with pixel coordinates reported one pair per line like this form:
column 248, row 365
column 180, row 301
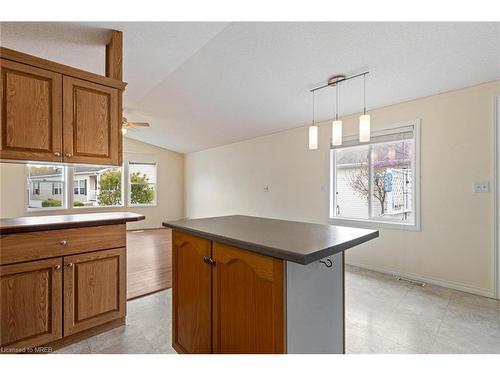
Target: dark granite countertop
column 294, row 241
column 49, row 222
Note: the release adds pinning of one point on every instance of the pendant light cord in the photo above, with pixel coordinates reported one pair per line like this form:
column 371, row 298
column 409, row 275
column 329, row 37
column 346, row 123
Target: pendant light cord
column 364, row 94
column 313, row 108
column 337, row 109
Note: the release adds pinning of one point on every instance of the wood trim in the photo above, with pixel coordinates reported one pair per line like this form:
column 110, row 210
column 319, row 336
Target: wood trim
column 71, row 296
column 38, row 62
column 114, row 55
column 24, row 247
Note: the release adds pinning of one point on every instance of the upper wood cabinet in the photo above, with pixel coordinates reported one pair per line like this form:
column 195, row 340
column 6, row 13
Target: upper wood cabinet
column 191, row 294
column 31, row 303
column 52, row 112
column 30, row 105
column 91, row 122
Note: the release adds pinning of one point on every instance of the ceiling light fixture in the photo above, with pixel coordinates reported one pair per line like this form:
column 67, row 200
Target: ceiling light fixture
column 337, row 124
column 364, row 120
column 313, row 130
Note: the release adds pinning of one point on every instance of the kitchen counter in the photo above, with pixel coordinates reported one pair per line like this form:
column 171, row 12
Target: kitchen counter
column 293, row 241
column 50, row 222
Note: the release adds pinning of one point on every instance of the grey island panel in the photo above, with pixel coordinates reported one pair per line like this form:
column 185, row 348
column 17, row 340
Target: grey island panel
column 50, row 222
column 294, row 241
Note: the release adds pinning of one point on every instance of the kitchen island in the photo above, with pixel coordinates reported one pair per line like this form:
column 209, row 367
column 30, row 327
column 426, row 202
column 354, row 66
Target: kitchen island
column 244, row 284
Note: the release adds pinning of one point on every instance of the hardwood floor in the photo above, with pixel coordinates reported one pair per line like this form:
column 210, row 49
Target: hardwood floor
column 149, row 261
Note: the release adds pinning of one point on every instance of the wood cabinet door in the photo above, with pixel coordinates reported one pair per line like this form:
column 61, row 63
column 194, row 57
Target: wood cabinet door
column 91, row 123
column 31, row 113
column 94, row 289
column 248, row 302
column 191, row 294
column 30, row 303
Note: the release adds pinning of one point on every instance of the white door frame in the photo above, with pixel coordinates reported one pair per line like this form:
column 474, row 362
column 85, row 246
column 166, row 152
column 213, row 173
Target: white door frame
column 496, row 196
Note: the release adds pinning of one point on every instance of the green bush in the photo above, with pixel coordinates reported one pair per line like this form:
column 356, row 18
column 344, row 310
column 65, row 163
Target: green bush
column 110, row 188
column 77, row 204
column 140, row 191
column 51, row 203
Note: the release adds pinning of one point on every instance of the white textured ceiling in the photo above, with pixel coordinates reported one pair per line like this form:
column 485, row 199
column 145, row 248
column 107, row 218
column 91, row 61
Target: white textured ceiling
column 207, row 84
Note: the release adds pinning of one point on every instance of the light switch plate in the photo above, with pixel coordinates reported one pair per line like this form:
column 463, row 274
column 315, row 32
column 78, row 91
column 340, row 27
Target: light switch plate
column 481, row 187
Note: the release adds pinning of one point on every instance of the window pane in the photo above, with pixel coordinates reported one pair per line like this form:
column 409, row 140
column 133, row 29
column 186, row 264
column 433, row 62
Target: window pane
column 142, row 180
column 97, row 186
column 352, row 182
column 45, row 187
column 392, row 181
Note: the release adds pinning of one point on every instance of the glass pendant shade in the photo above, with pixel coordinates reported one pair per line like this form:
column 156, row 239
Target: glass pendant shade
column 364, row 128
column 313, row 137
column 337, row 132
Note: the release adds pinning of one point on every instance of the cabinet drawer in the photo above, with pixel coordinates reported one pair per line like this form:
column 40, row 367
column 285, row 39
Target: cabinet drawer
column 22, row 247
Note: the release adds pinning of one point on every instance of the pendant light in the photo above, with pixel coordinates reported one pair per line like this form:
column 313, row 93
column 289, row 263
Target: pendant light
column 364, row 119
column 337, row 124
column 313, row 130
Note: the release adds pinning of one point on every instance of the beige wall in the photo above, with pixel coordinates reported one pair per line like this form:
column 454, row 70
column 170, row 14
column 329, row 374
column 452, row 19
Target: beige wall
column 170, row 197
column 454, row 247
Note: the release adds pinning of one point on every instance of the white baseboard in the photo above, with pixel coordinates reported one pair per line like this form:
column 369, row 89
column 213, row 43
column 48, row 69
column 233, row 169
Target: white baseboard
column 430, row 280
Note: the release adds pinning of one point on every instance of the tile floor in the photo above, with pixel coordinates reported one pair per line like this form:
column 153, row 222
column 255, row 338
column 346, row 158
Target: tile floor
column 383, row 316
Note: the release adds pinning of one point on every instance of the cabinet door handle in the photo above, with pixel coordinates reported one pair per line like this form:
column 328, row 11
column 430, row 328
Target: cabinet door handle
column 63, row 242
column 69, row 265
column 68, row 155
column 209, row 260
column 57, row 267
column 57, row 154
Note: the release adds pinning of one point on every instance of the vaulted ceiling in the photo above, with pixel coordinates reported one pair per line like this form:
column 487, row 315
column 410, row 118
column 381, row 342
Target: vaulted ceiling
column 202, row 85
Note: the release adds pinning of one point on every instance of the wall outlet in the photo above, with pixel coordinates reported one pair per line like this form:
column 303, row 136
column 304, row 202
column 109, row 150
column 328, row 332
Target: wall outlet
column 481, row 187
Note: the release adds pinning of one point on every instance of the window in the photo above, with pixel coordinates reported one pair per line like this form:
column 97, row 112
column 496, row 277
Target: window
column 97, row 186
column 57, row 188
column 376, row 183
column 46, row 187
column 142, row 184
column 83, row 187
column 35, row 187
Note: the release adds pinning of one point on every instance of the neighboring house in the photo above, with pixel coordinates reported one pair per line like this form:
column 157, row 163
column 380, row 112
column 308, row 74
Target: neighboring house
column 50, row 186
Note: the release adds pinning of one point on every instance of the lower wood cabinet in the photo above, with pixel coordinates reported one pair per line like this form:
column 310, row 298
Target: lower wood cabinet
column 191, row 294
column 247, row 302
column 31, row 303
column 94, row 289
column 47, row 300
column 226, row 300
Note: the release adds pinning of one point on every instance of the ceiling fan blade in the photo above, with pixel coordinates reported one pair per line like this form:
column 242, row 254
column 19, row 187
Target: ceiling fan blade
column 134, row 123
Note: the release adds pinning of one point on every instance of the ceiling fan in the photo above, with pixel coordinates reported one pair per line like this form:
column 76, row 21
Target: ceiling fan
column 126, row 124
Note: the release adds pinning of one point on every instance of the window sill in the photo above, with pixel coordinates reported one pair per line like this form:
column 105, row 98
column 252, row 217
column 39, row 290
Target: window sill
column 142, row 205
column 373, row 224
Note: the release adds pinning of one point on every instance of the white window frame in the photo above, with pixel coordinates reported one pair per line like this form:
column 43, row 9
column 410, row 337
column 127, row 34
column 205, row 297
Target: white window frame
column 68, row 191
column 65, row 190
column 382, row 224
column 129, row 187
column 79, row 208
